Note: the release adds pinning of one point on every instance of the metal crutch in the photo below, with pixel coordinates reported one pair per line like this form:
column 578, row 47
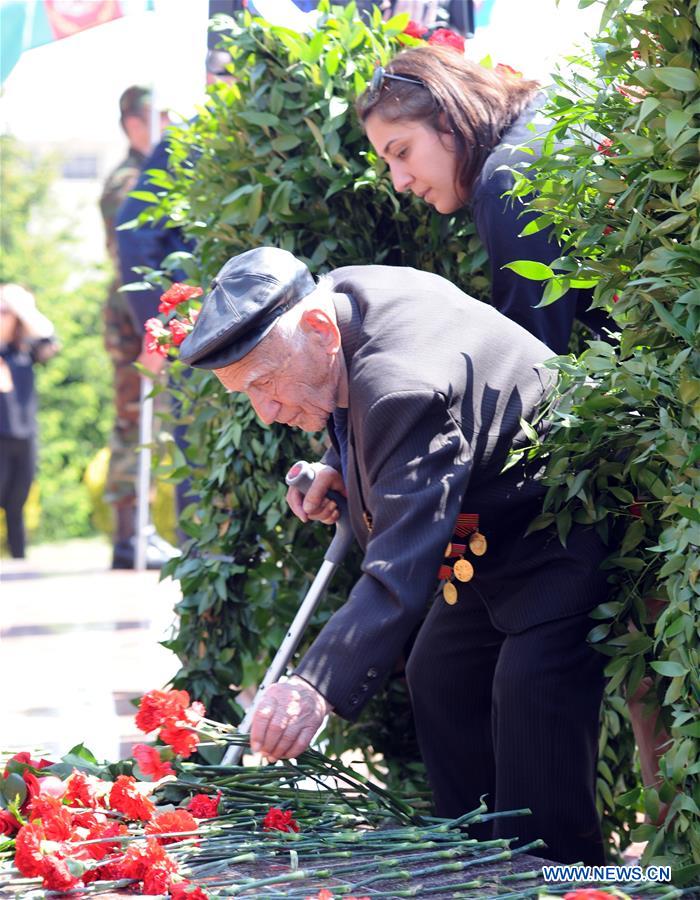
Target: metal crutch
column 301, row 475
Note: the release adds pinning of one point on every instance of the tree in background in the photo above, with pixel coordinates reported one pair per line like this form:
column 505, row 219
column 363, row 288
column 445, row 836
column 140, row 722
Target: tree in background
column 74, row 391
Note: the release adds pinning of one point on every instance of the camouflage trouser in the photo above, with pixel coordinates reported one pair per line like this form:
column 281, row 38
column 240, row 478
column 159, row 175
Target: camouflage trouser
column 123, row 344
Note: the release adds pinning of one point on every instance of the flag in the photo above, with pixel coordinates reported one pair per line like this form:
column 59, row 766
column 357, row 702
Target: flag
column 484, row 8
column 25, row 24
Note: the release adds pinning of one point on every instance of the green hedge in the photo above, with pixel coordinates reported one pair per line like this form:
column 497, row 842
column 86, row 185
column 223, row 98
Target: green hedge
column 624, row 452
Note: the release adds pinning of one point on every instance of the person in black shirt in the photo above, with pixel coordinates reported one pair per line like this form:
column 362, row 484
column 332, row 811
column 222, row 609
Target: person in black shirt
column 26, row 337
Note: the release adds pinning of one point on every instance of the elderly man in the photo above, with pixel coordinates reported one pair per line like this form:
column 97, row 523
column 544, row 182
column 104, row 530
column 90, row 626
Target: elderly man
column 424, row 390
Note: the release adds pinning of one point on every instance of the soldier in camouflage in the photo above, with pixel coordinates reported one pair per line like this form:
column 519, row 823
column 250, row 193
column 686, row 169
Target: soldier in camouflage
column 123, row 342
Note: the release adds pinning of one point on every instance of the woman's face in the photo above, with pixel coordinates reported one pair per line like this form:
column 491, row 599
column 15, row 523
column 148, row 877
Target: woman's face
column 420, row 159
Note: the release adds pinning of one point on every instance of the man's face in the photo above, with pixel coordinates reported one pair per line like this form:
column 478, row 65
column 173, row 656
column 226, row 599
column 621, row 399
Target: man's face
column 288, row 380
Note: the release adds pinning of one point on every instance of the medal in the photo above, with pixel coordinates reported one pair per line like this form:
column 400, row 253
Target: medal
column 464, row 570
column 449, row 592
column 478, row 544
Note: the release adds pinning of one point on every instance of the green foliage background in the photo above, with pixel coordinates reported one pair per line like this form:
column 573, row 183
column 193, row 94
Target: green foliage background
column 75, row 386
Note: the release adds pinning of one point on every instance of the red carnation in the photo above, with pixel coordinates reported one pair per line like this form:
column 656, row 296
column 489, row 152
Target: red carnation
column 279, row 820
column 157, row 880
column 140, row 857
column 102, row 831
column 28, row 856
column 81, row 790
column 447, row 38
column 185, row 890
column 177, row 821
column 183, row 740
column 56, row 874
column 158, row 337
column 415, row 29
column 55, row 818
column 179, row 329
column 126, row 798
column 607, row 230
column 150, row 762
column 157, row 706
column 177, row 294
column 616, row 297
column 204, row 807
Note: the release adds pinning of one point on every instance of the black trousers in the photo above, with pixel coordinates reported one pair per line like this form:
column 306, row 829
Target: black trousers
column 17, row 468
column 513, row 716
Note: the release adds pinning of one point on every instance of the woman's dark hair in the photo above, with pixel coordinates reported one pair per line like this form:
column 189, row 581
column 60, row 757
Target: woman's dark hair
column 455, row 96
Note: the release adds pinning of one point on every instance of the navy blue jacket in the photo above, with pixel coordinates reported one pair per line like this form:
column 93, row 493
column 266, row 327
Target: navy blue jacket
column 499, row 221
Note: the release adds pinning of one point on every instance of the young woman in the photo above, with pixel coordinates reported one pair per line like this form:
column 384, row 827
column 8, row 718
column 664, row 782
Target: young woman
column 447, row 128
column 26, row 337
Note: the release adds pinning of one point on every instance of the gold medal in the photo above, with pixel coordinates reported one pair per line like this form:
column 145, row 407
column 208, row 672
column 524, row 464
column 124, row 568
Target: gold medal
column 449, row 592
column 478, row 544
column 464, row 570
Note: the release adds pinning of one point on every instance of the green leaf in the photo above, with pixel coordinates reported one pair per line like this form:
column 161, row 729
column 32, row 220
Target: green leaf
column 259, row 118
column 255, row 204
column 668, row 668
column 145, row 196
column 337, row 107
column 535, row 225
column 670, row 321
column 285, row 142
column 535, row 271
column 677, row 78
column 529, row 430
column 554, row 289
column 676, row 121
column 638, row 146
column 667, row 176
column 316, row 131
column 598, row 633
column 647, row 106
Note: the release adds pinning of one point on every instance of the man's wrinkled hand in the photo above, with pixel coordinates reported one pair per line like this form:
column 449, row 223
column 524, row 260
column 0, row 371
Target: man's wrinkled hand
column 316, row 504
column 288, row 716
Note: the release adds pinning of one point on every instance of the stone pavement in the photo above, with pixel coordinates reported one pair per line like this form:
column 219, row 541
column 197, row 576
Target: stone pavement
column 78, row 641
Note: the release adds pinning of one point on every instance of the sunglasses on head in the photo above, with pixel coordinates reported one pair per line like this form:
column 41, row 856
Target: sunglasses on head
column 380, row 75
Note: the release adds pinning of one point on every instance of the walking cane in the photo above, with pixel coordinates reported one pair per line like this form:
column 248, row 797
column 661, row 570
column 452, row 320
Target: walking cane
column 301, row 476
column 143, row 486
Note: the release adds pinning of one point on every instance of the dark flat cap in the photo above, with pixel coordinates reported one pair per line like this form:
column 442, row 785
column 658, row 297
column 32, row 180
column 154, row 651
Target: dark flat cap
column 247, row 297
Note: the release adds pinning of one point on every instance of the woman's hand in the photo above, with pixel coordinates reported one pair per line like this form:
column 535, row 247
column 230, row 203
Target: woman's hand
column 288, row 716
column 316, row 504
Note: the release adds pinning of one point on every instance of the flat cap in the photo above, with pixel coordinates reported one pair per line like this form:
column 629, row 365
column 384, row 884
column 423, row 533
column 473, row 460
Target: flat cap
column 249, row 294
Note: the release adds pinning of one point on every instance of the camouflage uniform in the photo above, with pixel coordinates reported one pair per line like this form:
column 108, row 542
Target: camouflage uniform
column 123, row 344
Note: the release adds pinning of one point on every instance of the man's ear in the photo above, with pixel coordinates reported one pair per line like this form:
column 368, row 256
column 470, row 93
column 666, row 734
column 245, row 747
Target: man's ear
column 318, row 324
